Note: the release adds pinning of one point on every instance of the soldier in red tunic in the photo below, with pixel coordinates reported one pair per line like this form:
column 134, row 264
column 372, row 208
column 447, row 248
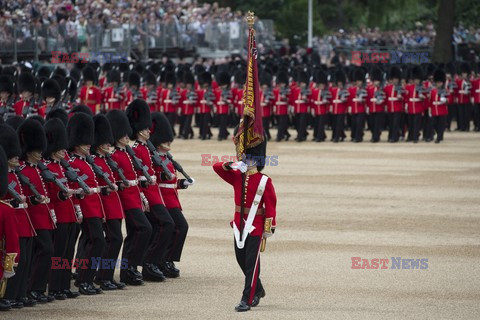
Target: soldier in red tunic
column 138, row 114
column 51, row 94
column 64, row 236
column 27, row 105
column 266, row 101
column 319, row 103
column 161, row 138
column 280, row 108
column 394, row 101
column 415, row 104
column 90, row 95
column 33, row 142
column 133, row 91
column 356, row 104
column 239, row 79
column 259, row 214
column 113, row 94
column 138, row 227
column 464, row 93
column 437, row 105
column 223, row 101
column 111, row 202
column 17, row 285
column 476, row 98
column 80, row 130
column 299, row 99
column 205, row 101
column 150, row 91
column 7, row 97
column 376, row 104
column 338, row 108
column 189, row 101
column 170, row 99
column 9, row 243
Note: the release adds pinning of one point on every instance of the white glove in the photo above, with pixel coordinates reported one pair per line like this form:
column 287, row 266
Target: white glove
column 443, row 100
column 240, row 165
column 188, row 183
column 267, row 235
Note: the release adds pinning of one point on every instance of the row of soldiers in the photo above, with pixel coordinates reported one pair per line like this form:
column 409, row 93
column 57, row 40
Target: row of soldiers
column 402, row 99
column 79, row 173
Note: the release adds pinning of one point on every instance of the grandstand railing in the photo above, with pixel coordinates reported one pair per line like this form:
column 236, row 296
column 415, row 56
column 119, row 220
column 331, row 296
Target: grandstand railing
column 140, row 40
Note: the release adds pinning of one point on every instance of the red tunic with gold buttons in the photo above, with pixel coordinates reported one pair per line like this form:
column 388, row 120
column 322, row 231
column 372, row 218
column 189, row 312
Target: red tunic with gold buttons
column 91, row 97
column 373, row 105
column 238, row 101
column 24, row 224
column 8, row 234
column 338, row 106
column 299, row 101
column 415, row 103
column 20, row 105
column 130, row 197
column 202, row 104
column 317, row 103
column 91, row 205
column 437, row 107
column 394, row 101
column 268, row 201
column 112, row 100
column 152, row 193
column 280, row 107
column 111, row 202
column 168, row 104
column 39, row 212
column 64, row 209
column 168, row 188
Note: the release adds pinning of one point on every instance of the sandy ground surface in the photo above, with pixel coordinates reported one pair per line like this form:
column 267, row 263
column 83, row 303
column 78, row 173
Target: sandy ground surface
column 335, row 202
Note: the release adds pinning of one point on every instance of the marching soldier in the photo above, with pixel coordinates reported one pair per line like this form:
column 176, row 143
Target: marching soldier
column 223, row 100
column 394, row 101
column 282, row 93
column 266, row 101
column 110, row 201
column 16, row 291
column 415, row 104
column 139, row 228
column 33, row 143
column 376, row 103
column 356, row 100
column 239, row 78
column 64, row 236
column 319, row 104
column 259, row 214
column 90, row 95
column 138, row 114
column 476, row 99
column 463, row 93
column 161, row 138
column 437, row 105
column 9, row 247
column 339, row 106
column 205, row 100
column 133, row 92
column 299, row 99
column 189, row 101
column 27, row 106
column 113, row 94
column 149, row 91
column 80, row 130
column 170, row 99
column 7, row 97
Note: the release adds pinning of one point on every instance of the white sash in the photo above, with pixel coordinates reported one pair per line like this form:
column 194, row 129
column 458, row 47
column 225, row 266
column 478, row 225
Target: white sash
column 251, row 215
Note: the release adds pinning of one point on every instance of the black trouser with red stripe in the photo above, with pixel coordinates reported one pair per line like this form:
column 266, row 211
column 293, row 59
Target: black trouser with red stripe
column 17, row 285
column 439, row 123
column 93, row 230
column 187, row 127
column 319, row 132
column 248, row 259
column 222, row 126
column 178, row 236
column 138, row 236
column 161, row 233
column 172, row 118
column 114, row 240
column 41, row 261
column 394, row 125
column 64, row 238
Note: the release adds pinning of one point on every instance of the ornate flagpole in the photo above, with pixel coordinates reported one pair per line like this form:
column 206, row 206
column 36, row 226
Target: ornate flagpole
column 250, row 18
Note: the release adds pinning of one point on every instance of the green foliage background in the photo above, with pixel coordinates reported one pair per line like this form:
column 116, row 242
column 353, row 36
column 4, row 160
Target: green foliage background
column 290, row 16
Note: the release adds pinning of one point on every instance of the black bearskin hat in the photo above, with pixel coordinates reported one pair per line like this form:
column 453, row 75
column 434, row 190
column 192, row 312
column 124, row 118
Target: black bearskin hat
column 188, row 78
column 44, row 72
column 340, row 77
column 170, row 78
column 138, row 113
column 321, row 77
column 38, row 118
column 103, row 131
column 80, row 130
column 26, row 82
column 465, row 68
column 240, row 77
column 282, row 77
column 395, row 73
column 76, row 74
column 205, row 78
column 161, row 130
column 265, row 79
column 134, row 79
column 60, row 81
column 31, row 136
column 60, row 71
column 15, row 122
column 56, row 135
column 376, row 74
column 303, row 76
column 439, row 76
column 114, row 76
column 81, row 109
column 89, row 74
column 150, row 78
column 119, row 123
column 3, row 174
column 58, row 113
column 450, row 68
column 71, row 88
column 9, row 141
column 358, row 75
column 416, row 73
column 6, row 84
column 223, row 78
column 50, row 88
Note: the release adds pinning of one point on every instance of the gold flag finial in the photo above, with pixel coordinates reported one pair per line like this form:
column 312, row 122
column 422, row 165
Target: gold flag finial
column 250, row 19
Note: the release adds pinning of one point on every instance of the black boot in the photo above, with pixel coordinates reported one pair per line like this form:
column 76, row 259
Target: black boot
column 242, row 307
column 28, row 302
column 256, row 298
column 70, row 294
column 151, row 272
column 86, row 289
column 5, row 305
column 131, row 276
column 119, row 285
